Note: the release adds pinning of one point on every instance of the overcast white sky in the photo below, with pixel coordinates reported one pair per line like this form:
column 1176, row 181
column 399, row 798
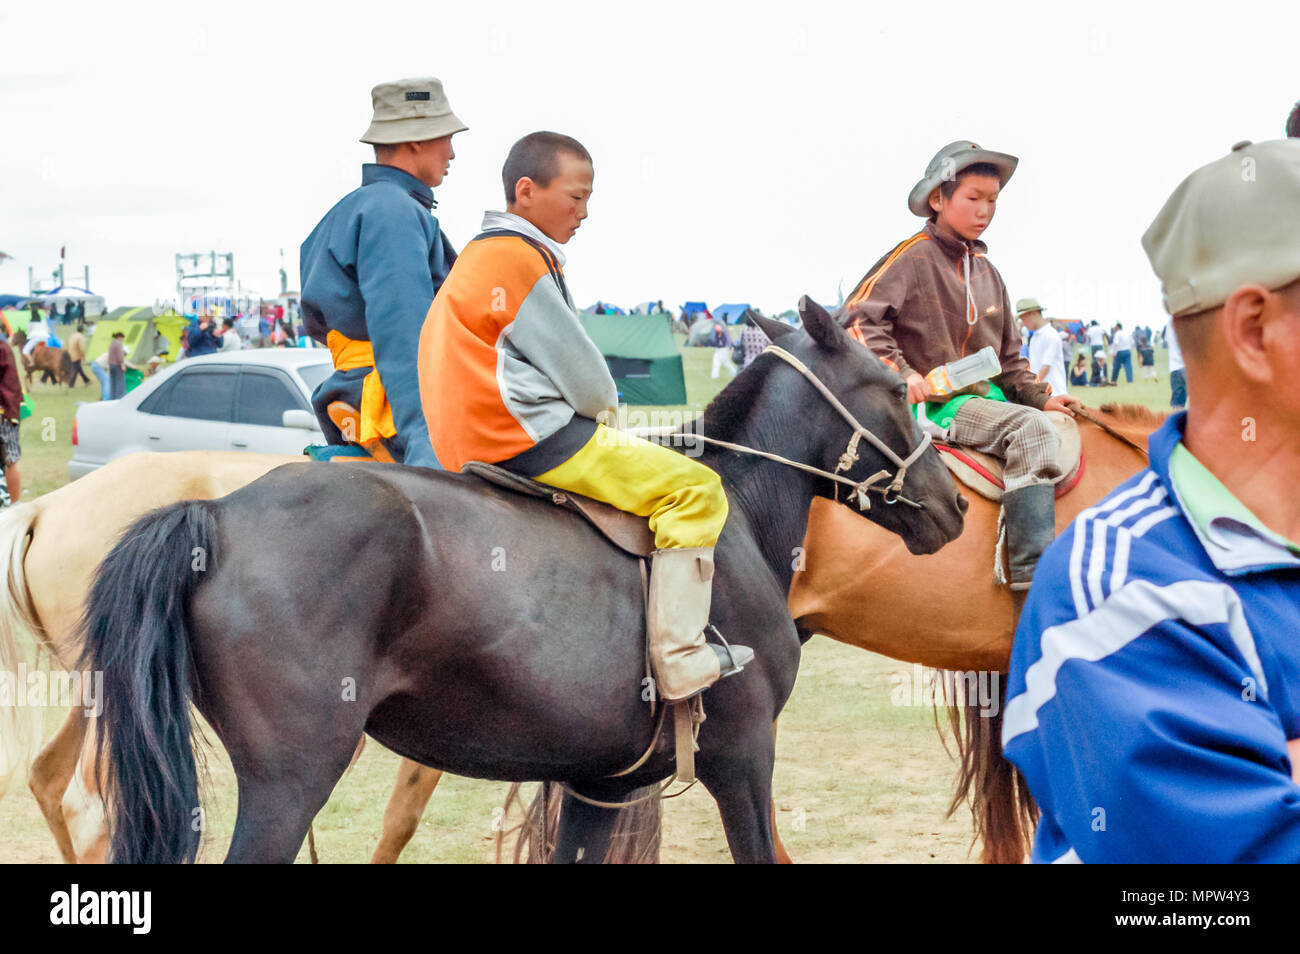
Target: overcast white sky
column 749, row 152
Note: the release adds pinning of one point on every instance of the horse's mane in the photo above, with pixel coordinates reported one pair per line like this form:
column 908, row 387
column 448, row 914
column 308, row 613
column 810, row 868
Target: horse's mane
column 1137, row 415
column 726, row 412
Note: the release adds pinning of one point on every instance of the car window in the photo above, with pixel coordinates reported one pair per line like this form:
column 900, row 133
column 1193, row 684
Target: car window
column 314, row 374
column 201, row 394
column 156, row 403
column 264, row 397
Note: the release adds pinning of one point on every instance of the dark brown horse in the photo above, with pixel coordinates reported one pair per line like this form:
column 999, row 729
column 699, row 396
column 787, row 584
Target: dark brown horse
column 410, row 635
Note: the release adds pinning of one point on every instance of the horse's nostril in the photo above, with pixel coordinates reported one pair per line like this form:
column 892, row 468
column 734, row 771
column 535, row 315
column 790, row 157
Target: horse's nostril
column 962, row 503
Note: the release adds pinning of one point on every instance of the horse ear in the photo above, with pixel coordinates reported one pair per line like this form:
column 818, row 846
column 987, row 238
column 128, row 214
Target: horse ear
column 823, row 329
column 772, row 328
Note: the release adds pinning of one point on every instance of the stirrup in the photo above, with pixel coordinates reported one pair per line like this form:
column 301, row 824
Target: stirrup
column 731, row 660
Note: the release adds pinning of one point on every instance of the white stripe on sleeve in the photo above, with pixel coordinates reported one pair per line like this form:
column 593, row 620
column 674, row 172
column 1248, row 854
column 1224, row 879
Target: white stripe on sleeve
column 1130, row 612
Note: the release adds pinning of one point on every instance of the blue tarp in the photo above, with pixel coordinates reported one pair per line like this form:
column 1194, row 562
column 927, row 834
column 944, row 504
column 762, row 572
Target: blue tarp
column 11, row 301
column 730, row 313
column 694, row 306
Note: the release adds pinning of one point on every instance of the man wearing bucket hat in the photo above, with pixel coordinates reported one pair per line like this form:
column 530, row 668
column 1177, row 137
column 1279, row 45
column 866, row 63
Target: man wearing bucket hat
column 1154, row 700
column 370, row 271
column 936, row 298
column 1046, row 352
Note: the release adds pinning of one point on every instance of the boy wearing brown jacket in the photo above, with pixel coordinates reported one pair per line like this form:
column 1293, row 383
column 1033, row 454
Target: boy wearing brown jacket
column 936, row 298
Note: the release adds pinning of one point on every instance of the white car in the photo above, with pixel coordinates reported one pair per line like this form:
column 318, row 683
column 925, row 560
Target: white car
column 256, row 400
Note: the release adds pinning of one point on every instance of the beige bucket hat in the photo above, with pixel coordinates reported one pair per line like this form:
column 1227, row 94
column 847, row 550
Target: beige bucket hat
column 949, row 161
column 411, row 110
column 1229, row 224
column 1026, row 305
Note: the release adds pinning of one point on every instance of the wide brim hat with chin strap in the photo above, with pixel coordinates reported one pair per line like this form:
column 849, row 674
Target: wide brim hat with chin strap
column 947, row 163
column 410, row 110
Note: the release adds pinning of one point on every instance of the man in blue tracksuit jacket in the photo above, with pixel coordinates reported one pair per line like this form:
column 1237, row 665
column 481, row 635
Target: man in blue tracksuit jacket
column 1154, row 696
column 370, row 271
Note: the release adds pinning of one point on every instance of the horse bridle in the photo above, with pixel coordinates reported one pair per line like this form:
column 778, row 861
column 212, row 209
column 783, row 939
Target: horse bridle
column 892, row 492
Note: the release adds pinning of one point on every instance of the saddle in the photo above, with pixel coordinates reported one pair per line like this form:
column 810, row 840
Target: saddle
column 632, row 535
column 982, row 473
column 627, row 531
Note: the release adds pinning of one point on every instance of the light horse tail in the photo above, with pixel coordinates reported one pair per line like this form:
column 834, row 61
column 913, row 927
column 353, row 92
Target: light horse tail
column 635, row 839
column 20, row 727
column 136, row 634
column 1003, row 811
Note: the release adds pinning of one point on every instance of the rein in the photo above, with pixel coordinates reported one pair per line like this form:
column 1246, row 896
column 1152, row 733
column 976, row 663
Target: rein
column 892, row 493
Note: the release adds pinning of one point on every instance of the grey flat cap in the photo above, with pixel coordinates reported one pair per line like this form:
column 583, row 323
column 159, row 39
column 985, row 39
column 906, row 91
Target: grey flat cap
column 411, row 110
column 949, row 161
column 1231, row 223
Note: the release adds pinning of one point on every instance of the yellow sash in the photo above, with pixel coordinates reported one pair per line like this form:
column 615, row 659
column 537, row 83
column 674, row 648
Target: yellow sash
column 376, row 414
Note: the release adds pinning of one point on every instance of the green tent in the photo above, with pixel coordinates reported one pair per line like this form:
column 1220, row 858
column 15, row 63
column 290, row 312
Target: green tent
column 138, row 326
column 642, row 357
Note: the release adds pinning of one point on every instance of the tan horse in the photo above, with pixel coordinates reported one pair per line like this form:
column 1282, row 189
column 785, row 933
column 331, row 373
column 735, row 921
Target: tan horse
column 859, row 586
column 945, row 611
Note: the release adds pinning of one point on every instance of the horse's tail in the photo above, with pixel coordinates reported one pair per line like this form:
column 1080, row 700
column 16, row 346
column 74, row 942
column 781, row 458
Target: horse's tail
column 19, row 726
column 634, row 841
column 1003, row 811
column 136, row 634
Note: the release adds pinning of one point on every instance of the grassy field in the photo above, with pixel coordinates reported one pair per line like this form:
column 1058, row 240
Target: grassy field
column 858, row 779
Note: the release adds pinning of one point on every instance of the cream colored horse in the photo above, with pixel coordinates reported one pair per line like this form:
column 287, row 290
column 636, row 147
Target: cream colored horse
column 53, row 545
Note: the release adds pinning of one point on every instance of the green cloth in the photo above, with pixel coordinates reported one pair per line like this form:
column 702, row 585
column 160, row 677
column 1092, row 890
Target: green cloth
column 942, row 414
column 1206, row 499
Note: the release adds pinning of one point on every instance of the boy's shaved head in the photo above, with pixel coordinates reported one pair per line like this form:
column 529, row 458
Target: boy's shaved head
column 537, row 157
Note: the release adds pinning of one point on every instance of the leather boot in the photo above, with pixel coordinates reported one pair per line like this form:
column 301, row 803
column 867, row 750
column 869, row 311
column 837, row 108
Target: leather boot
column 681, row 591
column 1031, row 527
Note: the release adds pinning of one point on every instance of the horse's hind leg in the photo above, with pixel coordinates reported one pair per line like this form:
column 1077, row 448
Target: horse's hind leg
column 51, row 772
column 279, row 795
column 411, row 794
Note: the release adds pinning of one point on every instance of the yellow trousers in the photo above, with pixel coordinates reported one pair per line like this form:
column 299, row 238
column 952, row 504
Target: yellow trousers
column 682, row 498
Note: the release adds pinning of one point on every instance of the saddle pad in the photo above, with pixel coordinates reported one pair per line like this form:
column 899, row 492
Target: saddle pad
column 982, row 473
column 627, row 531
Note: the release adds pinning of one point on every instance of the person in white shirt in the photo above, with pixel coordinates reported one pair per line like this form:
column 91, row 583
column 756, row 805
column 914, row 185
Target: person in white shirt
column 1097, row 348
column 1046, row 354
column 1122, row 343
column 38, row 332
column 230, row 340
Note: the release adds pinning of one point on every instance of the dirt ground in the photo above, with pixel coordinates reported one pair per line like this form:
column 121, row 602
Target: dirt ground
column 858, row 779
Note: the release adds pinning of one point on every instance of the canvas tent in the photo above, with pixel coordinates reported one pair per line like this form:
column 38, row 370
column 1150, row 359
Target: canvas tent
column 701, row 331
column 603, row 308
column 642, row 357
column 138, row 326
column 65, row 294
column 730, row 313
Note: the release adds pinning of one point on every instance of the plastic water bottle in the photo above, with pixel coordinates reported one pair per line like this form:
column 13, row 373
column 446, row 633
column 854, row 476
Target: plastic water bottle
column 964, row 372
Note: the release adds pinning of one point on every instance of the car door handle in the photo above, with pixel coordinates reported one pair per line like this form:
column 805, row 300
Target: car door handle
column 155, row 437
column 239, row 443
